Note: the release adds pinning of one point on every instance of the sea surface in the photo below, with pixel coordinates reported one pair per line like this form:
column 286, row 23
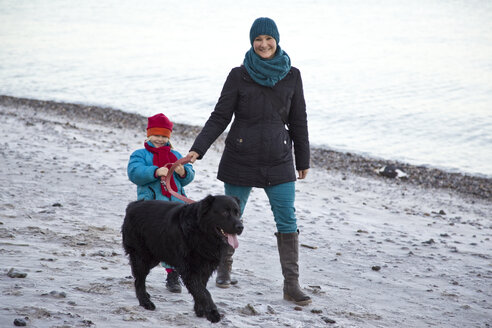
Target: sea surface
column 396, row 79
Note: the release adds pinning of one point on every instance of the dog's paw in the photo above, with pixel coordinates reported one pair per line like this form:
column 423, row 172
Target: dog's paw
column 199, row 311
column 148, row 305
column 213, row 316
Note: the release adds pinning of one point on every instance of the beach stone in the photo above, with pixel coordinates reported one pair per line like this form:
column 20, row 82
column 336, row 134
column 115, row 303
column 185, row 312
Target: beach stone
column 429, row 242
column 392, row 171
column 103, row 253
column 20, row 322
column 328, row 320
column 57, row 294
column 249, row 310
column 14, row 273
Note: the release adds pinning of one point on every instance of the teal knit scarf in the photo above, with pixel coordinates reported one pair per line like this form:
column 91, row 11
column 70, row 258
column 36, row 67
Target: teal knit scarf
column 267, row 72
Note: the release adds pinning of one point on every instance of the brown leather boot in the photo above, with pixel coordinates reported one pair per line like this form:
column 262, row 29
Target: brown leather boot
column 224, row 279
column 288, row 249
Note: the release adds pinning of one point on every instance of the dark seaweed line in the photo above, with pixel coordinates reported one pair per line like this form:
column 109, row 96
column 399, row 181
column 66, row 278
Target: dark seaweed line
column 345, row 162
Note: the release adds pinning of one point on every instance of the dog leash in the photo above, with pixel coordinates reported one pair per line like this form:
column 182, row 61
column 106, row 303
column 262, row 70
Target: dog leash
column 167, row 179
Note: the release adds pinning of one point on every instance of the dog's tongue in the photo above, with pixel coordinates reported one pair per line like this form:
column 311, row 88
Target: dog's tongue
column 232, row 240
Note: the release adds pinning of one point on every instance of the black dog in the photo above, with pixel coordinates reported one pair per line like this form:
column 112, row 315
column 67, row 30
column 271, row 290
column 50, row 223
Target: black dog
column 190, row 237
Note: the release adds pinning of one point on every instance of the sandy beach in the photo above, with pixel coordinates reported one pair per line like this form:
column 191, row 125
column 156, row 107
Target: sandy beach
column 376, row 252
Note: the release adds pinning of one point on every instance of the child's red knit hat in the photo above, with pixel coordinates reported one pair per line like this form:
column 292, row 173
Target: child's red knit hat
column 159, row 125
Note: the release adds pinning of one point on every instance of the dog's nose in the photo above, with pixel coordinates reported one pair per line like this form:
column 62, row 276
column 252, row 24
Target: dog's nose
column 239, row 228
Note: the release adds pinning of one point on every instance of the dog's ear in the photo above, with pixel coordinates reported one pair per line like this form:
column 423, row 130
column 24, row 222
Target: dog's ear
column 206, row 204
column 237, row 200
column 205, row 207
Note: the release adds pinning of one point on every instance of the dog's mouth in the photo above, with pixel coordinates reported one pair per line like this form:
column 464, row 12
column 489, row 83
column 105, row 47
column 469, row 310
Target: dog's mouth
column 231, row 238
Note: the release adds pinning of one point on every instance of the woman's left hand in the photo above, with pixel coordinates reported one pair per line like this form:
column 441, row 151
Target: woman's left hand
column 302, row 174
column 193, row 155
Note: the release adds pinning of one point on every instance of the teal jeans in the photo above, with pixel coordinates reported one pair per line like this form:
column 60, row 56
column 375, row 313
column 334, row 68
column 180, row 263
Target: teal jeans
column 281, row 199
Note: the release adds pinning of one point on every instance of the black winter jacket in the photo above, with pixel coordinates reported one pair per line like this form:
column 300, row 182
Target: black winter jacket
column 258, row 147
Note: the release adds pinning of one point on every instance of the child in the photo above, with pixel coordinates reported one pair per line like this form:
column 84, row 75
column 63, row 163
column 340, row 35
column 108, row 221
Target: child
column 146, row 167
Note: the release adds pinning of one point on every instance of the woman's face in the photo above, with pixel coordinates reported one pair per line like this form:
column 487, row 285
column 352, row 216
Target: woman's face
column 158, row 141
column 265, row 46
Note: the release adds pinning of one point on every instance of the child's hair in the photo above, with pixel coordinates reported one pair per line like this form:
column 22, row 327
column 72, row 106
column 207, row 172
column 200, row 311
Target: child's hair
column 169, row 142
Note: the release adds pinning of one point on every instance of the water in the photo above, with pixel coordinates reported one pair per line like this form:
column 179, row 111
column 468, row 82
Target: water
column 404, row 80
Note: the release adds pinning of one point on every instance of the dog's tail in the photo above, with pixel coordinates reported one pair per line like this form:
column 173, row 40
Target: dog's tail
column 126, row 227
column 132, row 203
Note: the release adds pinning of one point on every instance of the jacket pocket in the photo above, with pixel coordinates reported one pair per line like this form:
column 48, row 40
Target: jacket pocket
column 243, row 143
column 280, row 147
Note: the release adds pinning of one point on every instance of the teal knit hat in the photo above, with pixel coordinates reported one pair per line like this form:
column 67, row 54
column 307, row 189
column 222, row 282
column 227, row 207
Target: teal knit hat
column 264, row 26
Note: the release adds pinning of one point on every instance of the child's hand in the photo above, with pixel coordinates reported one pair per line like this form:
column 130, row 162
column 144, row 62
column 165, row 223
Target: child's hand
column 180, row 170
column 161, row 172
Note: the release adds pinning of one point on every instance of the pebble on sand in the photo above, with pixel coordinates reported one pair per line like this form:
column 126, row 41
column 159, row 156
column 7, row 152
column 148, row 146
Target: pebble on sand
column 14, row 273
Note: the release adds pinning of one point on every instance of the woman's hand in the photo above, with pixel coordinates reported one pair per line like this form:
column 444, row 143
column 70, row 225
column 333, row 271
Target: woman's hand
column 193, row 155
column 302, row 174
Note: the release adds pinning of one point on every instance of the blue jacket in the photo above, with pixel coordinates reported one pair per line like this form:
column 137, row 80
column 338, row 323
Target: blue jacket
column 141, row 172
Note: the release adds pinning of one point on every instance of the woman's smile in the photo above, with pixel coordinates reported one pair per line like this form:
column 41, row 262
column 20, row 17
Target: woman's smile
column 265, row 46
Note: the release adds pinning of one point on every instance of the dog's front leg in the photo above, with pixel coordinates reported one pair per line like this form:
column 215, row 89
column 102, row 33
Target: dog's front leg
column 204, row 305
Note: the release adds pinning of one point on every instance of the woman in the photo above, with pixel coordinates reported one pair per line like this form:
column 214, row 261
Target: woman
column 265, row 95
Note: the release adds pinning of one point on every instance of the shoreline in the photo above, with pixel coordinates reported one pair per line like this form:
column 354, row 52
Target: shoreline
column 328, row 159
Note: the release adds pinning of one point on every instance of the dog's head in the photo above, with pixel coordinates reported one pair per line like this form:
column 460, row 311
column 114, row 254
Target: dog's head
column 221, row 215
